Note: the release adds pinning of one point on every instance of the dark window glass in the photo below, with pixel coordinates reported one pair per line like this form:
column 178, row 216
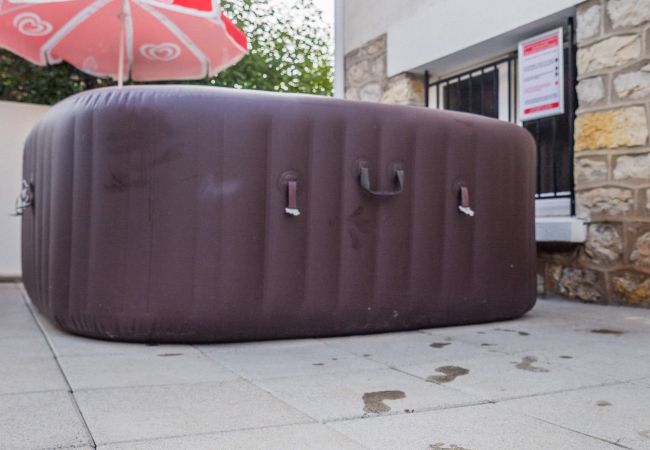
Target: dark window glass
column 477, row 93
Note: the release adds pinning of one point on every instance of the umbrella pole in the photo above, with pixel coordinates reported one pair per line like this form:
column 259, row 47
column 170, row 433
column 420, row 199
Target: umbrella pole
column 120, row 64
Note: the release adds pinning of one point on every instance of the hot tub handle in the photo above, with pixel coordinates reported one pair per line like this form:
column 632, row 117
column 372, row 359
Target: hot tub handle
column 25, row 199
column 364, row 181
column 463, row 205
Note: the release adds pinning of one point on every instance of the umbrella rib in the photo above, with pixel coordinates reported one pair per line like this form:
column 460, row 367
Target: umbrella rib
column 128, row 21
column 168, row 23
column 69, row 27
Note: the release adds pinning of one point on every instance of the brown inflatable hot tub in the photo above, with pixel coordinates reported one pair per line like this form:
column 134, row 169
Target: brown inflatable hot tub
column 190, row 214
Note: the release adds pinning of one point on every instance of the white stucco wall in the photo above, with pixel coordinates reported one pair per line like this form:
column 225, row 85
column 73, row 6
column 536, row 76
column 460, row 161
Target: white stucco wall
column 424, row 31
column 367, row 19
column 16, row 120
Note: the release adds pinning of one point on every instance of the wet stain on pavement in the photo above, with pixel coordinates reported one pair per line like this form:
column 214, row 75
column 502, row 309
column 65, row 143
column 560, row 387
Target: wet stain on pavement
column 527, row 364
column 566, row 357
column 447, row 374
column 442, row 446
column 439, row 344
column 318, row 364
column 367, row 355
column 374, row 401
column 507, row 330
column 608, row 331
column 488, row 345
column 603, row 403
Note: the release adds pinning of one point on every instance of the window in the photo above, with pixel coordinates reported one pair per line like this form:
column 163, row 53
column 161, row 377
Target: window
column 490, row 90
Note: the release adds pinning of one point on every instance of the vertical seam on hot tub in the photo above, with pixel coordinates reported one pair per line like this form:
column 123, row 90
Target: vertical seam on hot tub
column 72, row 211
column 48, row 248
column 196, row 181
column 410, row 182
column 445, row 154
column 150, row 194
column 91, row 203
column 340, row 206
column 267, row 205
column 308, row 180
column 474, row 222
column 378, row 212
column 127, row 235
column 221, row 180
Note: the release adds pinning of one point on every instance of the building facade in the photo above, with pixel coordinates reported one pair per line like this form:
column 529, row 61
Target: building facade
column 593, row 196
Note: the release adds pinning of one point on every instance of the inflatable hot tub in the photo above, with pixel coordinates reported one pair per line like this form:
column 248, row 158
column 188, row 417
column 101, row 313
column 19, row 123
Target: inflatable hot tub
column 196, row 214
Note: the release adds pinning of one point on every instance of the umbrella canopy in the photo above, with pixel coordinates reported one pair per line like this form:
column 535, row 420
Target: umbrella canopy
column 145, row 40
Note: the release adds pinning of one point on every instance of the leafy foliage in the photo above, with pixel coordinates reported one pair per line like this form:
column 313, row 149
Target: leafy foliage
column 290, row 52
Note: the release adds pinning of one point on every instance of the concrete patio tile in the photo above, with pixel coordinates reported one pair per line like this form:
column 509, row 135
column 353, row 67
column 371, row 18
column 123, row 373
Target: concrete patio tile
column 484, row 427
column 618, row 413
column 334, row 396
column 133, row 369
column 407, row 348
column 502, row 376
column 516, row 337
column 276, row 359
column 303, row 436
column 16, row 321
column 30, row 374
column 141, row 413
column 16, row 347
column 40, row 420
column 610, row 363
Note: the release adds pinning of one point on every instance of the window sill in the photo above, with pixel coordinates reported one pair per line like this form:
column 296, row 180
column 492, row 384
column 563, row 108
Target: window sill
column 560, row 229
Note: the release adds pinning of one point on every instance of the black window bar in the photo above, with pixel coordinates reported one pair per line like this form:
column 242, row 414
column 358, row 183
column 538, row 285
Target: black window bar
column 477, row 91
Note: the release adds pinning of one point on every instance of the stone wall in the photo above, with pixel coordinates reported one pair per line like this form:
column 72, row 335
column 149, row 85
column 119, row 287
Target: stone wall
column 612, row 160
column 366, row 79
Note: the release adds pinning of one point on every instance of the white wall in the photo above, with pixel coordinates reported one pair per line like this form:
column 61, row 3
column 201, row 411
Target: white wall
column 16, row 120
column 367, row 19
column 421, row 32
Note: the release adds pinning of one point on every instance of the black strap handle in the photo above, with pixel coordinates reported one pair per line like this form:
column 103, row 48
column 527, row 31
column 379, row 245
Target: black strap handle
column 364, row 181
column 25, row 200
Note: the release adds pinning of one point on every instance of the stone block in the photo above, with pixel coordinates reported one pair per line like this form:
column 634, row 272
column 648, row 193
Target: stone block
column 628, row 13
column 591, row 91
column 404, row 89
column 352, row 94
column 632, row 288
column 633, row 84
column 624, row 127
column 371, row 48
column 357, row 73
column 632, row 166
column 611, row 52
column 589, row 170
column 371, row 92
column 589, row 18
column 604, row 244
column 641, row 250
column 582, row 284
column 607, row 201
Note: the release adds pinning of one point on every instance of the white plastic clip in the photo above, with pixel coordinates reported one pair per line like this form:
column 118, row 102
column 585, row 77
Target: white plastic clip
column 292, row 211
column 466, row 210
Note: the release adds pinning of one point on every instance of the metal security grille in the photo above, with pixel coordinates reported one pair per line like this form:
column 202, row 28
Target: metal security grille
column 477, row 91
column 491, row 90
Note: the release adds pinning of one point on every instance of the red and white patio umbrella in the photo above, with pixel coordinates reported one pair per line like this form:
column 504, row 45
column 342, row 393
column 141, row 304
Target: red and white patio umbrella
column 145, row 40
